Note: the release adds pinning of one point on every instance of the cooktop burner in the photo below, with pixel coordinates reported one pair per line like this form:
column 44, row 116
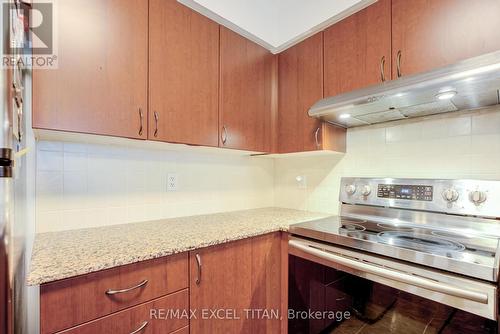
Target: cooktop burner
column 353, row 227
column 450, row 235
column 421, row 242
column 423, row 239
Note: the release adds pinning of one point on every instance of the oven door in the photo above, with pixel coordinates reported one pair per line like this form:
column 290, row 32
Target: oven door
column 363, row 291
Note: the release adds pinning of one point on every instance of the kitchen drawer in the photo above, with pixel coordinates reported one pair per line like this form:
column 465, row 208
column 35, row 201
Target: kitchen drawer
column 73, row 301
column 133, row 319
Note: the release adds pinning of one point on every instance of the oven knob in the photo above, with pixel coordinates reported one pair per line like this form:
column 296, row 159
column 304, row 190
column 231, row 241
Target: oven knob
column 350, row 189
column 366, row 190
column 450, row 195
column 477, row 197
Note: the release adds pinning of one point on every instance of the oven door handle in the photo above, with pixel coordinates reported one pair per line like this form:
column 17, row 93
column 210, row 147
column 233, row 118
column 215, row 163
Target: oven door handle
column 391, row 274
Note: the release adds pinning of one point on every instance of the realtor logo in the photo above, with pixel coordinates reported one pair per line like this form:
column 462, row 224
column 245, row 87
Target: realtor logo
column 31, row 33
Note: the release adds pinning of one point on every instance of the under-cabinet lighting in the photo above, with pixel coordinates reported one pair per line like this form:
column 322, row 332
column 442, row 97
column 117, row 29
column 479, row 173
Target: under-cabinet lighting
column 446, row 95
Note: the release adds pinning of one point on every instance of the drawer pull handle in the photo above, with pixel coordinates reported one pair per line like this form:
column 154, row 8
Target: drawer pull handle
column 198, row 263
column 115, row 292
column 140, row 329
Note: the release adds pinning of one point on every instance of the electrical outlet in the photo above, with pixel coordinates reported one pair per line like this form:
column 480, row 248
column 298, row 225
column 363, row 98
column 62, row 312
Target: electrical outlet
column 171, row 182
column 301, row 181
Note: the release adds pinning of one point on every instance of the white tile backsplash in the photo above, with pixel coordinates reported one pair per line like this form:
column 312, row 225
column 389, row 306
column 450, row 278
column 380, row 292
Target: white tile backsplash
column 408, row 132
column 50, row 161
column 49, row 191
column 461, row 145
column 86, row 185
column 447, row 127
column 486, row 124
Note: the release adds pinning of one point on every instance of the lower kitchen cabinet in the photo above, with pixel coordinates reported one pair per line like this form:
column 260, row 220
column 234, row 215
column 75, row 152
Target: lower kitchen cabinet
column 236, row 287
column 144, row 319
column 74, row 301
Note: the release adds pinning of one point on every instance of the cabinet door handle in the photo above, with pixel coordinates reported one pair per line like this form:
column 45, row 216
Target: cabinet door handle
column 382, row 69
column 141, row 328
column 398, row 63
column 157, row 117
column 316, row 137
column 224, row 135
column 111, row 292
column 198, row 265
column 141, row 118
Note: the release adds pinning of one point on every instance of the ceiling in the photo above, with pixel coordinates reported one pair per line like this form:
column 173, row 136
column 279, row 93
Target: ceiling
column 277, row 24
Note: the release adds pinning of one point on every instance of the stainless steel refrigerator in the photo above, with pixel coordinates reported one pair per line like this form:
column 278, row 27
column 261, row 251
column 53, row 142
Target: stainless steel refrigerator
column 12, row 179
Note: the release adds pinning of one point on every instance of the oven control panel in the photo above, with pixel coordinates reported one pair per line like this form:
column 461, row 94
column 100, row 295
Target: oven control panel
column 406, row 191
column 464, row 197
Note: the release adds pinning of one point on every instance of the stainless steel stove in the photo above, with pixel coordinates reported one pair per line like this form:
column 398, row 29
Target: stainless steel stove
column 438, row 239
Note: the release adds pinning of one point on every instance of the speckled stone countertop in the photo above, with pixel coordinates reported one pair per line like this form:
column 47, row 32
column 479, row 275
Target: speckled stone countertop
column 59, row 255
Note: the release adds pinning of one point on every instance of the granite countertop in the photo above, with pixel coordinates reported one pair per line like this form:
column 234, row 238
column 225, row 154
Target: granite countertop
column 59, row 255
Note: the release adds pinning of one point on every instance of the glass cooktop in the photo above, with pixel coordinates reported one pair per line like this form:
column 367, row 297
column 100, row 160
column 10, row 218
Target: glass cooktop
column 455, row 251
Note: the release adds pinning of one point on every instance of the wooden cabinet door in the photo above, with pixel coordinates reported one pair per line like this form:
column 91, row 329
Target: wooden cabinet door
column 222, row 283
column 358, row 50
column 266, row 284
column 183, row 75
column 247, row 93
column 300, row 86
column 234, row 277
column 100, row 85
column 435, row 33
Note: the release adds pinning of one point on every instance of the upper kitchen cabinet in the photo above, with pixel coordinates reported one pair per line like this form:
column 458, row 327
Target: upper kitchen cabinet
column 432, row 33
column 100, row 85
column 183, row 75
column 248, row 90
column 300, row 86
column 357, row 50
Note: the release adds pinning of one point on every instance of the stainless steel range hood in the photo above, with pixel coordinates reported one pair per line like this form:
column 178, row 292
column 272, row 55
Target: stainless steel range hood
column 469, row 84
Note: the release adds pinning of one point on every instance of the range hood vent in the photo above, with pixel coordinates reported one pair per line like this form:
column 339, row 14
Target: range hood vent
column 469, row 84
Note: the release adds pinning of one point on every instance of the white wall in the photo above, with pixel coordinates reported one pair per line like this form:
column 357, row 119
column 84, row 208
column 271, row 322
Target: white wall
column 84, row 185
column 461, row 145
